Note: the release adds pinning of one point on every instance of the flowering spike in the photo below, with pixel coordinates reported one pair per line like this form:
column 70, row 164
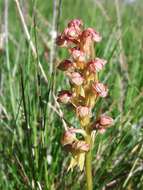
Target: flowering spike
column 82, row 70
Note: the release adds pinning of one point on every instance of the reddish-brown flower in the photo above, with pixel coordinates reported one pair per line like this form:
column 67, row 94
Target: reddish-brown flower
column 90, row 33
column 96, row 65
column 100, row 89
column 66, row 65
column 68, row 137
column 75, row 23
column 80, row 146
column 105, row 120
column 64, row 96
column 76, row 78
column 83, row 111
column 102, row 123
column 72, row 33
column 62, row 41
column 78, row 55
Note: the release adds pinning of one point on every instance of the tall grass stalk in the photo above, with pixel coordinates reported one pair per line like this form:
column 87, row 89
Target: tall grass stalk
column 6, row 31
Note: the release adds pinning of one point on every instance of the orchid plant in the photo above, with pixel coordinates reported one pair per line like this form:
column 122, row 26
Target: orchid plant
column 82, row 69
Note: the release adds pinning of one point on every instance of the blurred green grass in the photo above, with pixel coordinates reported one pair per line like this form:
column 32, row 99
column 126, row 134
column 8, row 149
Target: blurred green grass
column 31, row 154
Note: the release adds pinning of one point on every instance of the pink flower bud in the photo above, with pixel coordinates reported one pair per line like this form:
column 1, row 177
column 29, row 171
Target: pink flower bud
column 105, row 120
column 78, row 55
column 100, row 89
column 66, row 65
column 96, row 65
column 92, row 34
column 68, row 137
column 76, row 78
column 83, row 111
column 75, row 23
column 64, row 96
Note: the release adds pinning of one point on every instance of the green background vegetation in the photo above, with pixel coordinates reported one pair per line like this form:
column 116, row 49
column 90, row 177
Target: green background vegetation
column 31, row 155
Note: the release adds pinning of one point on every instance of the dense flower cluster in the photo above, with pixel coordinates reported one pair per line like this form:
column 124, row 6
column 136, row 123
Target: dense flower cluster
column 82, row 70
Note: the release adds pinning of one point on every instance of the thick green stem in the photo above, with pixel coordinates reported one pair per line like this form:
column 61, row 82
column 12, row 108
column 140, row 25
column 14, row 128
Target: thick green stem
column 88, row 165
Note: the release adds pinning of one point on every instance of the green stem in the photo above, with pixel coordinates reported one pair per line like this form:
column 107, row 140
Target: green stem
column 88, row 165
